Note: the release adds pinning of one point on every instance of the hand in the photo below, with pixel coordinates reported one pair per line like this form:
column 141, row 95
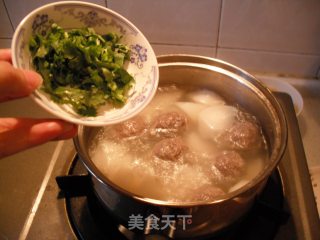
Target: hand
column 18, row 134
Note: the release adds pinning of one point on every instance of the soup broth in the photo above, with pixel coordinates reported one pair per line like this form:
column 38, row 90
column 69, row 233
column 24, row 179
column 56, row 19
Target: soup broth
column 189, row 144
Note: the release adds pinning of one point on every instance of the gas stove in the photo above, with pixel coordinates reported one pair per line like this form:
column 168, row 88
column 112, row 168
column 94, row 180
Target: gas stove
column 285, row 210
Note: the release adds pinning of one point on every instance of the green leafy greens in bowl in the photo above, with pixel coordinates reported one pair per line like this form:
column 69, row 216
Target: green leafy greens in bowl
column 82, row 68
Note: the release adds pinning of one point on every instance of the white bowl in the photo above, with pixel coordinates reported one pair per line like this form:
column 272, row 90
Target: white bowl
column 276, row 84
column 73, row 14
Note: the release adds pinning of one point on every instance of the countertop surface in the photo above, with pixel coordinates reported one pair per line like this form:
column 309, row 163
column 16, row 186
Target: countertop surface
column 22, row 175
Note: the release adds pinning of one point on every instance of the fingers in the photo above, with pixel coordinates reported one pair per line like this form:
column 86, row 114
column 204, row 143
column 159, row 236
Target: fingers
column 19, row 134
column 5, row 55
column 16, row 83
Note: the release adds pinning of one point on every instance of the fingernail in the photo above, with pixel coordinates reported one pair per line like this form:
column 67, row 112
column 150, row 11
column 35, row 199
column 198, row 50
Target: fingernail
column 34, row 79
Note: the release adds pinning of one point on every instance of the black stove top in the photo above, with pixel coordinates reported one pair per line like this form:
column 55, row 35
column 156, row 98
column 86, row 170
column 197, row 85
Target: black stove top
column 286, row 208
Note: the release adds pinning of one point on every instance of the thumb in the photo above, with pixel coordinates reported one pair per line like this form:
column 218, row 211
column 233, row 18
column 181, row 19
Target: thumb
column 16, row 83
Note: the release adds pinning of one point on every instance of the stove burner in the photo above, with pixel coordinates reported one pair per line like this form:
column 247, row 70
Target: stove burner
column 90, row 220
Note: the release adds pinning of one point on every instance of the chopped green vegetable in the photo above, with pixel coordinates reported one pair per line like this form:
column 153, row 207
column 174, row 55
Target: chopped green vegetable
column 82, row 68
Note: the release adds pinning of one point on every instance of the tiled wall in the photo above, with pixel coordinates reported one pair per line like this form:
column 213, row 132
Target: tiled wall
column 265, row 36
column 13, row 11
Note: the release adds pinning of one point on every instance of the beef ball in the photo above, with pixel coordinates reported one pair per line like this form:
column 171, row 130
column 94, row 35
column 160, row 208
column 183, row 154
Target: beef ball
column 207, row 193
column 130, row 128
column 169, row 124
column 169, row 149
column 243, row 135
column 229, row 163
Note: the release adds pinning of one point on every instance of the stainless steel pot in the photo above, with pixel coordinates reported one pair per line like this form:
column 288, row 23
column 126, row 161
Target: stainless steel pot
column 235, row 85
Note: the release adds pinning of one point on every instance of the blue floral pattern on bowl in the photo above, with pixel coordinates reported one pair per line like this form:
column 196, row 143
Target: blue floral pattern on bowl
column 92, row 18
column 41, row 24
column 138, row 55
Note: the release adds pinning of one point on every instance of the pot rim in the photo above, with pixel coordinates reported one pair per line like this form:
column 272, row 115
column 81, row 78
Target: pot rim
column 204, row 63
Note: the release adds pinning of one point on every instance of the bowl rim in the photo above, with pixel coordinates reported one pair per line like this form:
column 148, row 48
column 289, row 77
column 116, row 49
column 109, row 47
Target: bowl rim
column 61, row 113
